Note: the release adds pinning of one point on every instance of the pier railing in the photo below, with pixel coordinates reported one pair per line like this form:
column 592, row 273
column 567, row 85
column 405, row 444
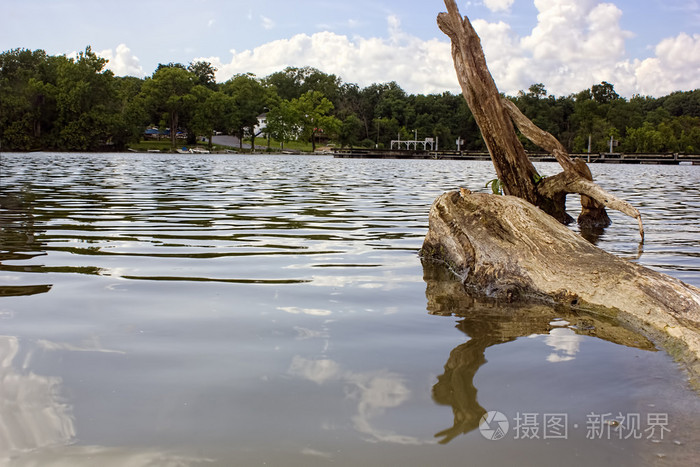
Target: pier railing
column 608, row 158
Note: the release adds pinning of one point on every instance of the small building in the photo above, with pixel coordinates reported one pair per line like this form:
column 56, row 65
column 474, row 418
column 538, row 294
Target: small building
column 262, row 124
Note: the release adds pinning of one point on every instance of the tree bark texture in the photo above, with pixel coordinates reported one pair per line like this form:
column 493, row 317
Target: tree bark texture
column 516, row 247
column 505, row 248
column 496, row 115
column 514, row 169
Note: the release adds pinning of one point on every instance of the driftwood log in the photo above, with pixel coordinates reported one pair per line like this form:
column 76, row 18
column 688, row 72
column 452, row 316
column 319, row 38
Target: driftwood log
column 506, row 248
column 516, row 247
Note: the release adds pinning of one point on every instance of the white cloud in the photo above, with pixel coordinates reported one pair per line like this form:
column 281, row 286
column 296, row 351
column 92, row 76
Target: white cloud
column 498, row 5
column 122, row 62
column 578, row 43
column 318, row 371
column 510, row 66
column 674, row 68
column 374, row 391
column 419, row 66
column 575, row 44
column 565, row 344
column 267, row 23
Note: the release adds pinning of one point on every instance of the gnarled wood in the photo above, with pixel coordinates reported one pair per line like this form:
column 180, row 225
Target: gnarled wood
column 514, row 169
column 509, row 247
column 504, row 247
column 495, row 116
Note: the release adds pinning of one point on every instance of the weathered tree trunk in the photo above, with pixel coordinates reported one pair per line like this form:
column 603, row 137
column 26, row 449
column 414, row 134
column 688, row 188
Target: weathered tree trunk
column 506, row 248
column 514, row 169
column 509, row 247
column 495, row 116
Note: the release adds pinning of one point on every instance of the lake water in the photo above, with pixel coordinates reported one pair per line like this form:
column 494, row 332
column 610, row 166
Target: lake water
column 272, row 310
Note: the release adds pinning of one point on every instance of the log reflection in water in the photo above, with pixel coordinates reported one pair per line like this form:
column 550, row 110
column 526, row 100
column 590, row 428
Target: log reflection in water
column 488, row 323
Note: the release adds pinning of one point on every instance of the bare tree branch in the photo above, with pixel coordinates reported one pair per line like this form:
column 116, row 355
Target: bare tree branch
column 572, row 182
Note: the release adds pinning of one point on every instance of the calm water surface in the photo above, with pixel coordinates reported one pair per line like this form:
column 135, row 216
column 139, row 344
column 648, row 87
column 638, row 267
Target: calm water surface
column 272, row 310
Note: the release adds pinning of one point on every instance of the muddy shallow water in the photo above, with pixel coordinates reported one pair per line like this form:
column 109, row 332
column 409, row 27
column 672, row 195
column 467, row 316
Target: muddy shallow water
column 272, row 310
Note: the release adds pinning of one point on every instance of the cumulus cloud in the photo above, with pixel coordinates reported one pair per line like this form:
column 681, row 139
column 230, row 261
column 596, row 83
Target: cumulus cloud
column 419, row 66
column 575, row 44
column 498, row 5
column 122, row 62
column 578, row 43
column 674, row 68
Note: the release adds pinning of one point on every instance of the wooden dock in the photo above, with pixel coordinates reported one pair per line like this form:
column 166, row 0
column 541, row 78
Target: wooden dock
column 605, row 158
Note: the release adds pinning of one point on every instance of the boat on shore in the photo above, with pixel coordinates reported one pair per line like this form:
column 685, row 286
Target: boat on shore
column 185, row 150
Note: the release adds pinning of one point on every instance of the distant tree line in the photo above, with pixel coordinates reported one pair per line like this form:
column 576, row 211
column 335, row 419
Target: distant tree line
column 62, row 103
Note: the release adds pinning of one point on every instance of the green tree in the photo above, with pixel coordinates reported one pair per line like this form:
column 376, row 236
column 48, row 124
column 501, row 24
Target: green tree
column 392, row 103
column 313, row 112
column 214, row 112
column 27, row 99
column 644, row 139
column 85, row 99
column 386, row 130
column 682, row 103
column 205, row 74
column 350, row 131
column 249, row 99
column 603, row 93
column 130, row 118
column 294, row 82
column 282, row 122
column 168, row 92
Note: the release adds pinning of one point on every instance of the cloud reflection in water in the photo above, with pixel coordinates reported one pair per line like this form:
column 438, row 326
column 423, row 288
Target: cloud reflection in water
column 374, row 391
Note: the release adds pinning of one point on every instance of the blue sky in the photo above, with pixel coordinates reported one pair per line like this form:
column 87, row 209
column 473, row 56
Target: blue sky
column 648, row 47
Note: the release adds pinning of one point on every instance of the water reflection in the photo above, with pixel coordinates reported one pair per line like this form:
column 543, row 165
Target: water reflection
column 19, row 239
column 20, row 290
column 488, row 323
column 18, row 233
column 264, row 312
column 374, row 392
column 38, row 426
column 596, row 236
column 30, row 408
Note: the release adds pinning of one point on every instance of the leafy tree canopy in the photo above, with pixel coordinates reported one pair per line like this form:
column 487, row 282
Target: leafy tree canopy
column 57, row 102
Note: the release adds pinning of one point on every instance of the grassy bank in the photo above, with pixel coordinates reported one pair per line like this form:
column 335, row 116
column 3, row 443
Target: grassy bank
column 163, row 145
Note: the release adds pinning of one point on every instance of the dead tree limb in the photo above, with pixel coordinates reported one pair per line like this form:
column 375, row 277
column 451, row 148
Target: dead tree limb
column 495, row 116
column 576, row 177
column 507, row 248
column 514, row 169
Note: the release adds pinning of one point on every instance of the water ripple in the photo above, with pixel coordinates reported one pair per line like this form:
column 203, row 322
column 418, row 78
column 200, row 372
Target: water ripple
column 261, row 218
